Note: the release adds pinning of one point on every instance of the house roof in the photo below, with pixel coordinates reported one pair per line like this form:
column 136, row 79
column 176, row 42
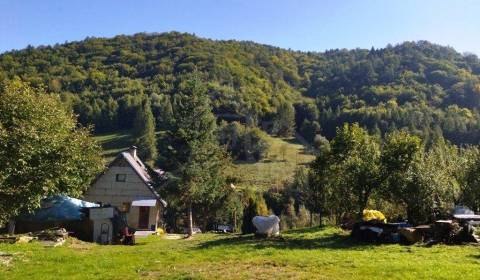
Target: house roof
column 142, row 172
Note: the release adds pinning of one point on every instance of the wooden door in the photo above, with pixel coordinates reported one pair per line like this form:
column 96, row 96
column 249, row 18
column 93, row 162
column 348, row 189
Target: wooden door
column 143, row 217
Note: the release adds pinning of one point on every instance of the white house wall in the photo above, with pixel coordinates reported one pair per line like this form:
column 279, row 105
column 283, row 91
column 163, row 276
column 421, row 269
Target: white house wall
column 107, row 190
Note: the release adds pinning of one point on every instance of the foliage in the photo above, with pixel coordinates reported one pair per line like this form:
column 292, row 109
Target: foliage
column 254, row 206
column 470, row 180
column 243, row 142
column 354, row 160
column 421, row 182
column 284, row 120
column 42, row 150
column 423, row 88
column 192, row 149
column 144, row 131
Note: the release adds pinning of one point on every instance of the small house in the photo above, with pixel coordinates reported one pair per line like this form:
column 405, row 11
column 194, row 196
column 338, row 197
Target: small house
column 127, row 185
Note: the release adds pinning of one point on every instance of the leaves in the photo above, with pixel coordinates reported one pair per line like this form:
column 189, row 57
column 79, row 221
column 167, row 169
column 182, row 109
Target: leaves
column 43, row 152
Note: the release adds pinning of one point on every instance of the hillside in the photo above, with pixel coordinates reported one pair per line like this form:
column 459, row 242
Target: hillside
column 427, row 89
column 283, row 157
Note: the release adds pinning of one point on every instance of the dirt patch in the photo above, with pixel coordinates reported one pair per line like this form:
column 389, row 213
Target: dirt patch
column 173, row 236
column 6, row 259
column 78, row 244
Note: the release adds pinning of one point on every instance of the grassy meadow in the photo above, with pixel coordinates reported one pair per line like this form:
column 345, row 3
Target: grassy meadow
column 114, row 143
column 283, row 157
column 298, row 254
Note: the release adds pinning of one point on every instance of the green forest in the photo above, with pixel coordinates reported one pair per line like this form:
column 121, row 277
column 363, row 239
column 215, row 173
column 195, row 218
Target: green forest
column 426, row 89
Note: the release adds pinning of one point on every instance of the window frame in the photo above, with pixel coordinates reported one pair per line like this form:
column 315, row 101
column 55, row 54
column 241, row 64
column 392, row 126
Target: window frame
column 120, row 175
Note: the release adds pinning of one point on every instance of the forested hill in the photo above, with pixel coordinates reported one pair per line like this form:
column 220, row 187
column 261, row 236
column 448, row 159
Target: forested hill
column 425, row 88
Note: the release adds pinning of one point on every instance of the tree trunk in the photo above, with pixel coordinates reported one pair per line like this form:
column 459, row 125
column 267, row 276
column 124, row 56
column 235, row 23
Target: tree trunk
column 363, row 204
column 234, row 229
column 311, row 218
column 190, row 221
column 11, row 226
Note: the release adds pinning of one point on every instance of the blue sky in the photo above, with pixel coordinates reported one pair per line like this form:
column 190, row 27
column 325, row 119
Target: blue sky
column 297, row 24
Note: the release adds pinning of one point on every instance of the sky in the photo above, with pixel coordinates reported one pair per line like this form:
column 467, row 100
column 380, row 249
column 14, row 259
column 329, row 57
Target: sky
column 306, row 25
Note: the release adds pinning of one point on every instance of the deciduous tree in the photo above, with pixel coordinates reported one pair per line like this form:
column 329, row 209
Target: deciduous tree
column 43, row 151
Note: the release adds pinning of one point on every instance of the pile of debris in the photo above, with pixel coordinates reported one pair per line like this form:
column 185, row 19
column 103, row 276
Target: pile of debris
column 374, row 228
column 463, row 227
column 49, row 237
column 5, row 258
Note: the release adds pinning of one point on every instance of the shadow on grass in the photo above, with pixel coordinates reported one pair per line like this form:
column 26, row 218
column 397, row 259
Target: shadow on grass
column 292, row 140
column 292, row 239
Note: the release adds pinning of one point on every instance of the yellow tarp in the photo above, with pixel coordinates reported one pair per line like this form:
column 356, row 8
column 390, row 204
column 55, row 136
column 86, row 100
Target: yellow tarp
column 369, row 215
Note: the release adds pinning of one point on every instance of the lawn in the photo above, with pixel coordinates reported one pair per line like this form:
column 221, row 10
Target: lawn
column 299, row 254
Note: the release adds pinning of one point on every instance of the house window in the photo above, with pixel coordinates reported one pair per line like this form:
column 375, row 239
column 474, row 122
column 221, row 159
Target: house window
column 121, row 177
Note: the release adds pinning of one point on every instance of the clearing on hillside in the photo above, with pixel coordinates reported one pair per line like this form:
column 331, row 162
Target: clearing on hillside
column 283, row 157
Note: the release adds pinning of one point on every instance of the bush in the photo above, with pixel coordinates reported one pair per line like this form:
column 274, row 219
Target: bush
column 309, row 130
column 244, row 143
column 255, row 206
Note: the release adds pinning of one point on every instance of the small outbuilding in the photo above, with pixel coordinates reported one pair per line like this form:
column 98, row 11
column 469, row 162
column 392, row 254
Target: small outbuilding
column 128, row 185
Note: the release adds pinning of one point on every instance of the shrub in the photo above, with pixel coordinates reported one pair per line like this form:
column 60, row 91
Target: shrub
column 255, row 206
column 244, row 143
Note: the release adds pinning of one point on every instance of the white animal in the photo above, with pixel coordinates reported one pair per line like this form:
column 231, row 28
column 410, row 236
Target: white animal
column 267, row 225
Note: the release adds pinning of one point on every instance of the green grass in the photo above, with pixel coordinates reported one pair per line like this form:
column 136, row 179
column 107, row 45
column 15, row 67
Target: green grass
column 114, row 143
column 284, row 156
column 300, row 254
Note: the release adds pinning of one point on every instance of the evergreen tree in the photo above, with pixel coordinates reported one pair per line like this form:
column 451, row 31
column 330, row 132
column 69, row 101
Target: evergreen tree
column 193, row 151
column 284, row 121
column 255, row 206
column 144, row 131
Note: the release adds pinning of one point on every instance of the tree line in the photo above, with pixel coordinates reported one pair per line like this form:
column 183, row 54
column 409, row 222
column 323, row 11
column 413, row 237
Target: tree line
column 401, row 175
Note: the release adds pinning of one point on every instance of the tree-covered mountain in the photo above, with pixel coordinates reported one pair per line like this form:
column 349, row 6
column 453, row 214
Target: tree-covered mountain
column 424, row 88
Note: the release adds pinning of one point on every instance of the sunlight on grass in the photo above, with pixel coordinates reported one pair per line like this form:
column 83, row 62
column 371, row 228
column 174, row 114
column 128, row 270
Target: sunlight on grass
column 284, row 156
column 114, row 143
column 310, row 253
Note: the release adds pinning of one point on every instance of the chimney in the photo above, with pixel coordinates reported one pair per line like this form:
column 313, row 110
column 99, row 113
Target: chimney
column 133, row 151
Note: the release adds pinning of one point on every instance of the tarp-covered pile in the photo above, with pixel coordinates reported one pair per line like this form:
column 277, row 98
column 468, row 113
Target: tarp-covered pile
column 58, row 212
column 59, row 208
column 266, row 226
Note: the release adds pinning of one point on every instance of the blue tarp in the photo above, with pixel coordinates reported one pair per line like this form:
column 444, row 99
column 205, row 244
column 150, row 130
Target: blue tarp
column 58, row 208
